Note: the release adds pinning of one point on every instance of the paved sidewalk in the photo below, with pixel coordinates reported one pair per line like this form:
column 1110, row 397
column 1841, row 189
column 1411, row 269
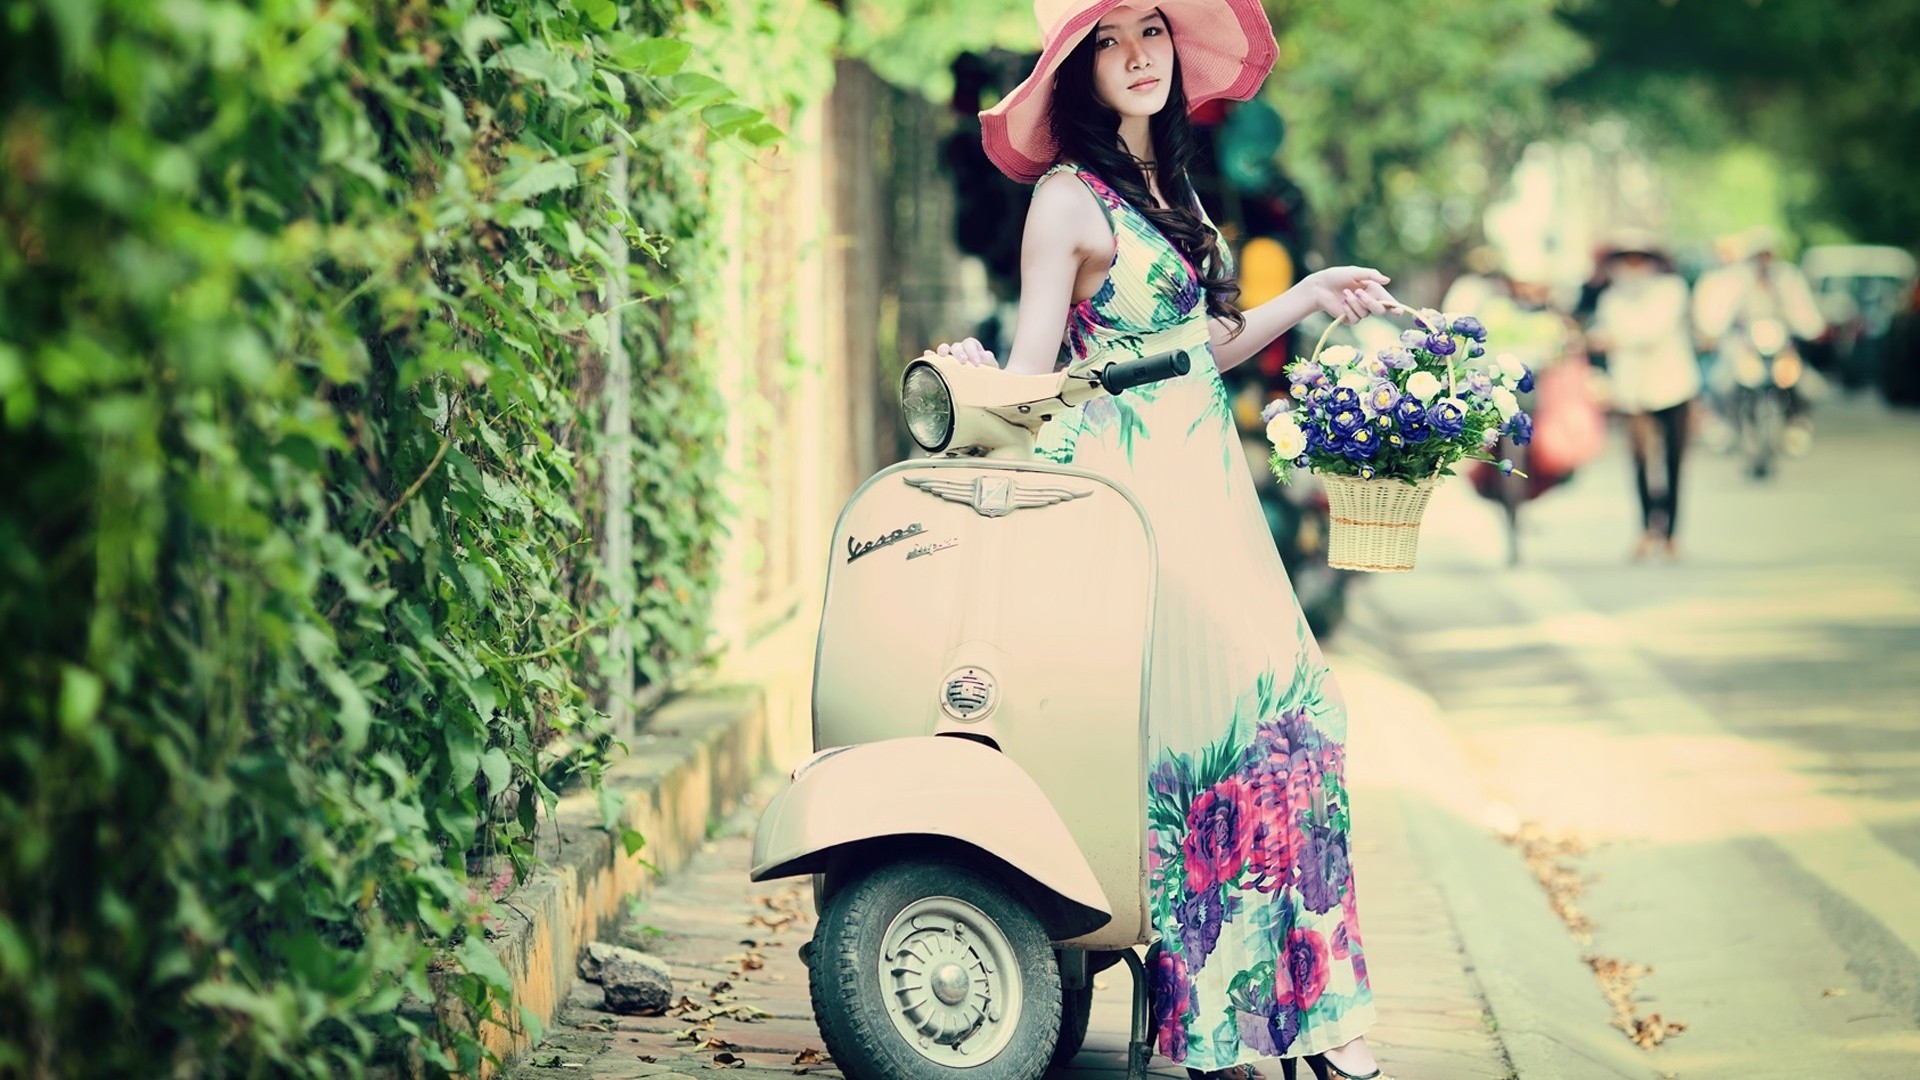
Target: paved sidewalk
column 742, row 991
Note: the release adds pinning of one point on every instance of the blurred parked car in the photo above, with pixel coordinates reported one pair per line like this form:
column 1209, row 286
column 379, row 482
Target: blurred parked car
column 1861, row 288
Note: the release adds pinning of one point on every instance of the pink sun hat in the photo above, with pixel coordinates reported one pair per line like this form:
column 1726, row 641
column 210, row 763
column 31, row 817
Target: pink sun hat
column 1226, row 48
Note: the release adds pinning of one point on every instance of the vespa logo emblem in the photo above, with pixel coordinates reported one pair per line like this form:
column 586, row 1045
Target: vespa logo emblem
column 855, row 549
column 994, row 496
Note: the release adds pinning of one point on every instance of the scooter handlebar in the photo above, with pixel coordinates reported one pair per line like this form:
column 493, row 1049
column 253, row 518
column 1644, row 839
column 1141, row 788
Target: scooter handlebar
column 1128, row 374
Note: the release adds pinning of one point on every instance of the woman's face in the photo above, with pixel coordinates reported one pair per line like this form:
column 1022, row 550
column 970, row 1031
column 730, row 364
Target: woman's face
column 1133, row 60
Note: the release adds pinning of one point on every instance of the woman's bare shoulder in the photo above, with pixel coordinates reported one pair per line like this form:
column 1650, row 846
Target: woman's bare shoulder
column 1065, row 210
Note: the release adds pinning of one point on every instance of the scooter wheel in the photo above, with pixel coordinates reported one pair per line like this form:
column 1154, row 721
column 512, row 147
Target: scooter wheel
column 934, row 970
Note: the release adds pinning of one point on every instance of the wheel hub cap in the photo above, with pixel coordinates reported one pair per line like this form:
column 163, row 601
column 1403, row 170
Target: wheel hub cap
column 951, row 983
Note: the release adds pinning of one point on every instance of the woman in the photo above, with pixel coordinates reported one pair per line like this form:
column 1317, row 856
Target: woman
column 1642, row 322
column 1251, row 889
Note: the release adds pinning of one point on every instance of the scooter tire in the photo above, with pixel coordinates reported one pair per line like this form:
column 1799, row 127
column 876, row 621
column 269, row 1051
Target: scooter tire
column 1076, row 1015
column 844, row 979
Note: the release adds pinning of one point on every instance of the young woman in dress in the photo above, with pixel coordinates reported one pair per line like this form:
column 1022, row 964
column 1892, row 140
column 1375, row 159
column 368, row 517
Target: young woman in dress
column 1252, row 891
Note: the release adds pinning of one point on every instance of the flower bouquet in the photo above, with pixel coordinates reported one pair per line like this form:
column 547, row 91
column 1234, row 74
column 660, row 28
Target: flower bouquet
column 1381, row 430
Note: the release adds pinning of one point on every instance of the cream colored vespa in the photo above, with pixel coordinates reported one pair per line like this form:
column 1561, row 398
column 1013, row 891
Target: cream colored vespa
column 974, row 816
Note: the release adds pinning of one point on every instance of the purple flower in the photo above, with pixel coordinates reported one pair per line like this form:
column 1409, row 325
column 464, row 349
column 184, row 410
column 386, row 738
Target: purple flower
column 1521, row 428
column 1446, row 417
column 1410, row 411
column 1361, row 444
column 1506, row 467
column 1266, row 1026
column 1219, row 830
column 1479, row 382
column 1413, row 339
column 1174, row 997
column 1382, row 396
column 1304, row 969
column 1323, row 868
column 1273, row 408
column 1476, row 352
column 1440, row 345
column 1526, row 382
column 1306, row 372
column 1397, row 358
column 1200, row 919
column 1490, row 438
column 1468, row 326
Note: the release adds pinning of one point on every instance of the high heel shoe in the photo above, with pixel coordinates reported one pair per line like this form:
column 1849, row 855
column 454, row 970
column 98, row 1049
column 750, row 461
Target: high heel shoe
column 1324, row 1069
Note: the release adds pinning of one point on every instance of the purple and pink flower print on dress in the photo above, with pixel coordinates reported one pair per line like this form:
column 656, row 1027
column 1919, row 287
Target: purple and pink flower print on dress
column 1250, row 843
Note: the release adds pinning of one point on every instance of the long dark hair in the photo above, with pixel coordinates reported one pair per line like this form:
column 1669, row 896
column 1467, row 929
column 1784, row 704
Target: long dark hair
column 1088, row 132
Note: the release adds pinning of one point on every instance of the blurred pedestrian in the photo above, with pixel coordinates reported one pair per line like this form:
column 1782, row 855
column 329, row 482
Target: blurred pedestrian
column 1642, row 321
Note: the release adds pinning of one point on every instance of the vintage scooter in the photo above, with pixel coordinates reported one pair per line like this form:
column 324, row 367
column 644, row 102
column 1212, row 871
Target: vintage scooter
column 974, row 815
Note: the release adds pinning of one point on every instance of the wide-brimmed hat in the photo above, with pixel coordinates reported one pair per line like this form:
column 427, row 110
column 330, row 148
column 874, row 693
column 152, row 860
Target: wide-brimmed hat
column 1630, row 241
column 1226, row 48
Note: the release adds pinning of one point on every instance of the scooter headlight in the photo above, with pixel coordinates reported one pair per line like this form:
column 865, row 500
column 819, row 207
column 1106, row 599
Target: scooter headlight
column 928, row 406
column 1769, row 335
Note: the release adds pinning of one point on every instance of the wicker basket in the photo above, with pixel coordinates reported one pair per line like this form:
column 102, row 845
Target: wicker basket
column 1376, row 523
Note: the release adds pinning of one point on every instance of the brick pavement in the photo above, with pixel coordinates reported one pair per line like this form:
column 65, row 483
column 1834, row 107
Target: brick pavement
column 742, row 990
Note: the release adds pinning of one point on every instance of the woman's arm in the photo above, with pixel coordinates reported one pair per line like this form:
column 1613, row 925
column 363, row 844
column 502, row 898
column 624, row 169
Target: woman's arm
column 1348, row 293
column 1065, row 230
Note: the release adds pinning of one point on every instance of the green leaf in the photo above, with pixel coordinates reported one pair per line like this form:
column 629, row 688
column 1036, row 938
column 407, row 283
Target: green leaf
column 657, row 57
column 497, row 768
column 632, row 841
column 354, row 716
column 538, row 179
column 604, row 14
column 479, row 960
column 80, row 695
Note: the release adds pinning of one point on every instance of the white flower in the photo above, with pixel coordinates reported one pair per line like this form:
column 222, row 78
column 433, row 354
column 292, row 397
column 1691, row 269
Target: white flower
column 1510, row 367
column 1287, row 438
column 1505, row 402
column 1338, row 356
column 1357, row 380
column 1423, row 386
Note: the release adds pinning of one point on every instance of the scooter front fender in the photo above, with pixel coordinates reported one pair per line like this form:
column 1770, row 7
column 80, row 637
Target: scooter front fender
column 929, row 786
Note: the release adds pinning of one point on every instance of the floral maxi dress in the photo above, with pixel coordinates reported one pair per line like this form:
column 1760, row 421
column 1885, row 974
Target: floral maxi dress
column 1252, row 892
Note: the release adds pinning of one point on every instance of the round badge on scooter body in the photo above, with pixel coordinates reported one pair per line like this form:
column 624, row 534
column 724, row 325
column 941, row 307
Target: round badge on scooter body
column 969, row 694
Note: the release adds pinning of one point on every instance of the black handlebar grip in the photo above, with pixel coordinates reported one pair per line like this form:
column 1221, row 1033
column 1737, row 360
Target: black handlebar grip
column 1150, row 369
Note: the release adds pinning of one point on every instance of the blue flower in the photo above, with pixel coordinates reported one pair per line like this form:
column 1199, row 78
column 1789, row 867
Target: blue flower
column 1382, row 396
column 1526, row 382
column 1468, row 326
column 1440, row 345
column 1301, row 461
column 1366, row 472
column 1416, row 433
column 1476, row 352
column 1344, row 397
column 1345, row 421
column 1410, row 411
column 1446, row 417
column 1520, row 428
column 1362, row 443
column 1506, row 467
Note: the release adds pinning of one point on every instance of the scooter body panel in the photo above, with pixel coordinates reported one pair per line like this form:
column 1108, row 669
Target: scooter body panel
column 1010, row 602
column 927, row 786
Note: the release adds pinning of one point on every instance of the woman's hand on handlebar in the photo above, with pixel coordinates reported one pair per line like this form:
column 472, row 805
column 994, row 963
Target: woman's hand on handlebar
column 969, row 351
column 1350, row 293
